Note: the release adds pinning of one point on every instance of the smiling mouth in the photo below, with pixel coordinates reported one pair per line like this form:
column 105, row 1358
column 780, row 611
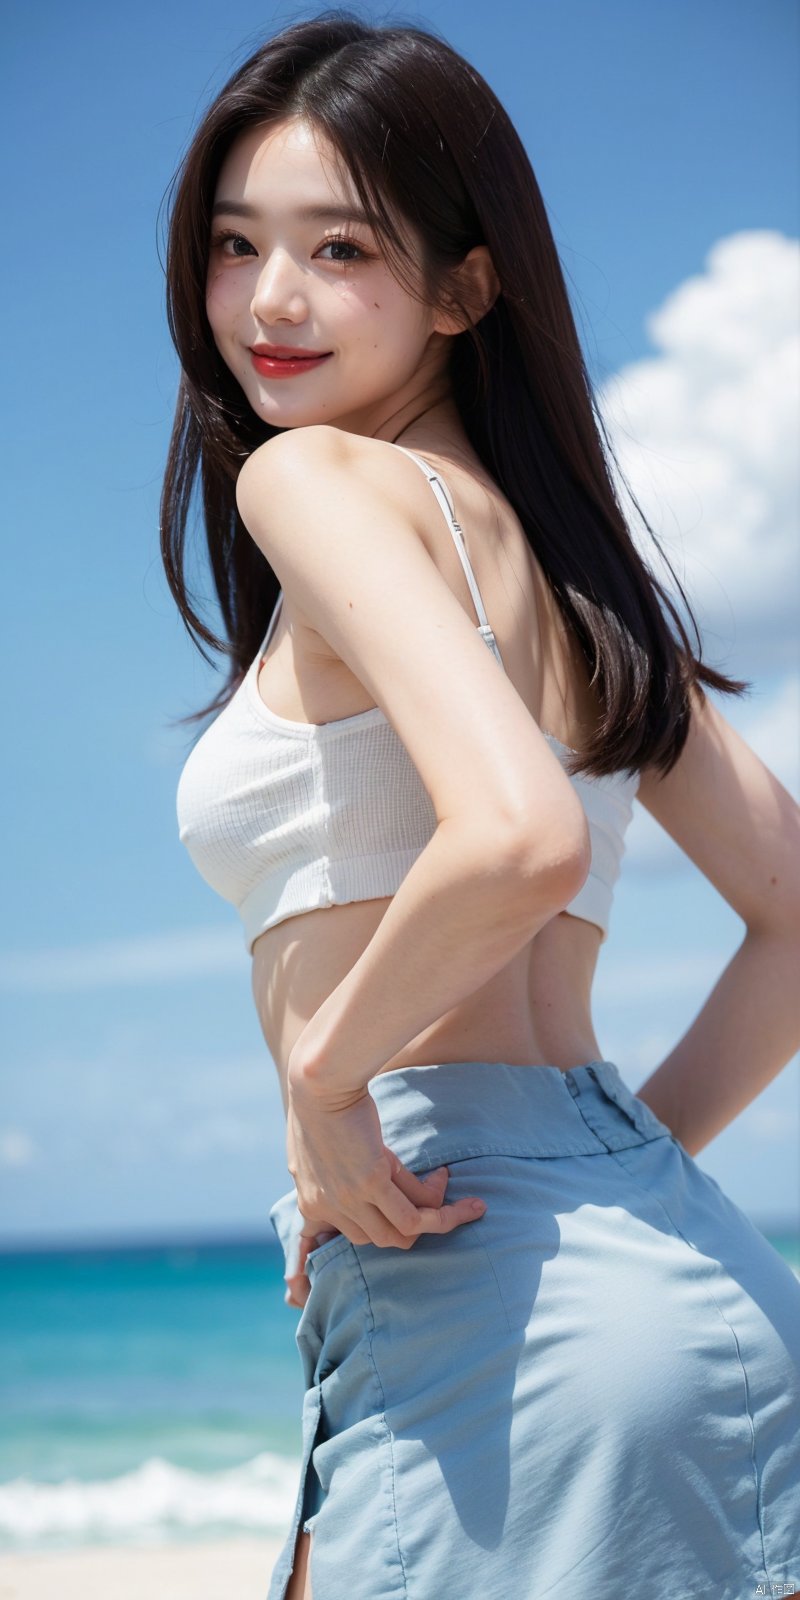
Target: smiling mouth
column 289, row 355
column 289, row 366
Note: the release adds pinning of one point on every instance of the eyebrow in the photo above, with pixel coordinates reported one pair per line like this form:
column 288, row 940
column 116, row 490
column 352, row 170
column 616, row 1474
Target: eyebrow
column 320, row 213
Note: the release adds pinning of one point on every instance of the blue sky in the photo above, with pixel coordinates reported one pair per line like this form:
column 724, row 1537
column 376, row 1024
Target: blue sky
column 137, row 1092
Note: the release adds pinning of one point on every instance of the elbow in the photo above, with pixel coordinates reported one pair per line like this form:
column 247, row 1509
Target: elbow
column 536, row 861
column 552, row 867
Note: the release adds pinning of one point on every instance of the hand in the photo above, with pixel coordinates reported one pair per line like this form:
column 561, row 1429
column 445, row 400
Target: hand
column 346, row 1178
column 298, row 1286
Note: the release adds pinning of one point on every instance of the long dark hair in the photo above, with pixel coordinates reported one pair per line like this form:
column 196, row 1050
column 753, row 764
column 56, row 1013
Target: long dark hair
column 423, row 137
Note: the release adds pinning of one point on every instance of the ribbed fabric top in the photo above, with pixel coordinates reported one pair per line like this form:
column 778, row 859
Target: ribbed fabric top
column 282, row 817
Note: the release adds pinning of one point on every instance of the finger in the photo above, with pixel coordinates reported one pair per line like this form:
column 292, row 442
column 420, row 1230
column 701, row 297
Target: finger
column 309, row 1242
column 298, row 1286
column 297, row 1290
column 424, row 1218
column 389, row 1223
column 443, row 1219
column 312, row 1240
column 428, row 1191
column 425, row 1191
column 350, row 1230
column 425, row 1195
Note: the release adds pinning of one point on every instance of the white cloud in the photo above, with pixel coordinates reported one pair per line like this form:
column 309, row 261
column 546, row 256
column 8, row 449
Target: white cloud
column 154, row 958
column 17, row 1149
column 771, row 1124
column 706, row 433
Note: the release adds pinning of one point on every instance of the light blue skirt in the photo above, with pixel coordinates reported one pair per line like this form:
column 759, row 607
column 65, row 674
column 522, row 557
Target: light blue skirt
column 594, row 1388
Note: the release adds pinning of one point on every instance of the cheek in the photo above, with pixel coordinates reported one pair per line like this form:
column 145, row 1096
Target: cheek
column 223, row 297
column 382, row 318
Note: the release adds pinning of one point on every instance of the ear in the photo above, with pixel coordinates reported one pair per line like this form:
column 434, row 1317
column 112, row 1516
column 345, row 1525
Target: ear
column 475, row 285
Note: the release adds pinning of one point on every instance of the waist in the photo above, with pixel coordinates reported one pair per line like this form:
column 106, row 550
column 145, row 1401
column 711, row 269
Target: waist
column 441, row 1113
column 537, row 1009
column 436, row 1115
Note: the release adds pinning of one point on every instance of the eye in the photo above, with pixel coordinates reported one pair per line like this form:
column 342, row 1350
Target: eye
column 339, row 241
column 220, row 239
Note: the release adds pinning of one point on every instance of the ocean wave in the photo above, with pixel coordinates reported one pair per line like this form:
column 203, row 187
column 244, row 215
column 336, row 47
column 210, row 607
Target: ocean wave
column 156, row 1501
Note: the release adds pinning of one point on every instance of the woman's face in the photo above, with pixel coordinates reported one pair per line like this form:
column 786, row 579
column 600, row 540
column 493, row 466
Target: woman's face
column 285, row 277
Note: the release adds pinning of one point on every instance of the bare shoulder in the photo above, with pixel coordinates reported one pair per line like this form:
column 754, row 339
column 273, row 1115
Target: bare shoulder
column 733, row 818
column 306, row 459
column 293, row 447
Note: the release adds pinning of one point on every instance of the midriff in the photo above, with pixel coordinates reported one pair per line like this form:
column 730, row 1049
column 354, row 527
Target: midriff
column 535, row 1012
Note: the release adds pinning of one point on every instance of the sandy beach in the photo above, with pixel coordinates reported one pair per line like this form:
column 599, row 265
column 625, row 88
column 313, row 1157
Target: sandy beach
column 213, row 1571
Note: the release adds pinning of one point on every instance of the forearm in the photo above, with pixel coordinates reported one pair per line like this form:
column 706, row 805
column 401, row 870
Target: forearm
column 459, row 916
column 748, row 1029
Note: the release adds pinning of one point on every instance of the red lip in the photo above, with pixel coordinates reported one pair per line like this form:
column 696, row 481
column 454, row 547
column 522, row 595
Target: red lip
column 291, row 351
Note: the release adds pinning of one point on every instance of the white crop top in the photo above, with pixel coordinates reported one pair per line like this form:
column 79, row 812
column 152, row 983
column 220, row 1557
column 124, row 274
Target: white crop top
column 282, row 817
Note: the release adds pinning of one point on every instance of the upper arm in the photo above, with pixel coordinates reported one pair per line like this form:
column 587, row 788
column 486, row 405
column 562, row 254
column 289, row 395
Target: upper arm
column 733, row 818
column 332, row 519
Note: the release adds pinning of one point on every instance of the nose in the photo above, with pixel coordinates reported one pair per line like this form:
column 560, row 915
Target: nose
column 278, row 290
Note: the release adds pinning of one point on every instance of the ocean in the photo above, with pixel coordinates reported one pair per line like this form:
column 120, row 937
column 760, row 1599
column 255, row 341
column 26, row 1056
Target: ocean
column 152, row 1393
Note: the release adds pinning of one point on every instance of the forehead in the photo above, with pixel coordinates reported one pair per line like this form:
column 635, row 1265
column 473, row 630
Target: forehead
column 281, row 160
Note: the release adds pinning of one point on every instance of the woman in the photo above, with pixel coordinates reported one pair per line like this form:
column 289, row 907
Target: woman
column 416, row 793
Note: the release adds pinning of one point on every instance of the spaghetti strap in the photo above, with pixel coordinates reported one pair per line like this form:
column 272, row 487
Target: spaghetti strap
column 443, row 497
column 273, row 619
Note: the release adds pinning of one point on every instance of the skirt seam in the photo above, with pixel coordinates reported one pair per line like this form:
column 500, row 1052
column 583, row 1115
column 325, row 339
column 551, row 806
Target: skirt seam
column 442, row 1153
column 497, row 1282
column 753, row 1457
column 383, row 1420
